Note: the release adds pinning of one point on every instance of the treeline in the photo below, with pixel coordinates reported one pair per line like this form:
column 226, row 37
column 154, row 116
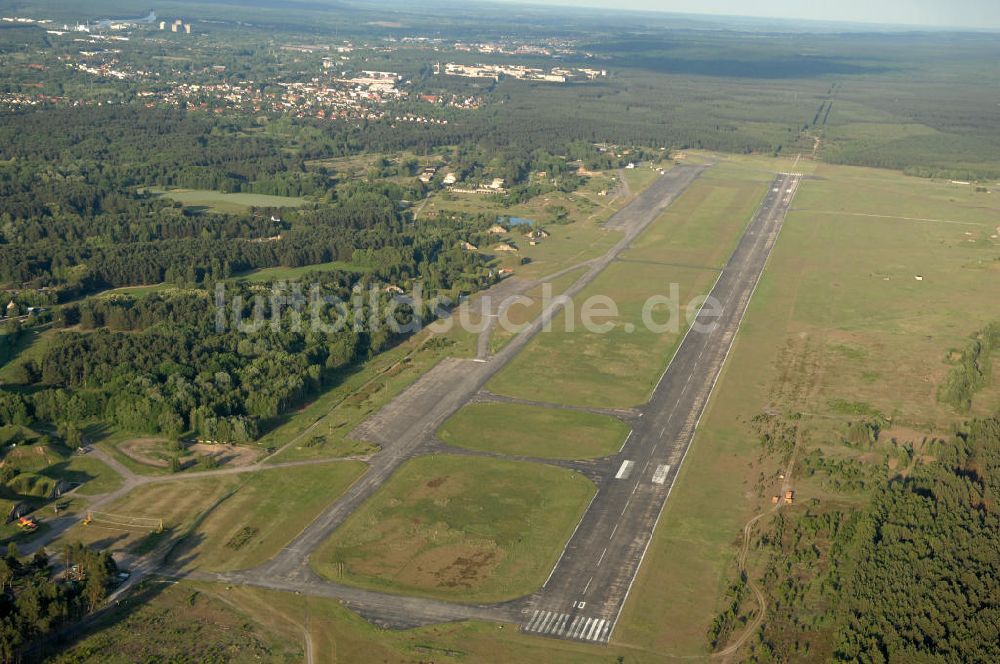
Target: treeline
column 181, row 361
column 972, row 371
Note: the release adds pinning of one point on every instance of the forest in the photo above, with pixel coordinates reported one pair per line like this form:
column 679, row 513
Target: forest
column 79, row 215
column 33, row 603
column 912, row 575
column 163, row 364
column 79, row 218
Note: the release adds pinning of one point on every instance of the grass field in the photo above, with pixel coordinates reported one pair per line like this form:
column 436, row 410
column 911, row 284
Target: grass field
column 533, row 431
column 838, row 318
column 178, row 504
column 269, row 274
column 268, row 511
column 640, row 177
column 30, row 345
column 181, row 623
column 521, row 313
column 459, row 528
column 222, row 523
column 49, row 462
column 337, row 634
column 568, row 245
column 216, row 201
column 617, row 368
column 211, row 622
column 140, row 291
column 686, row 246
column 95, row 476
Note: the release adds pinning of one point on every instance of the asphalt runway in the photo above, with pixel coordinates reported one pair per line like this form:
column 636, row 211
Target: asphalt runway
column 584, row 596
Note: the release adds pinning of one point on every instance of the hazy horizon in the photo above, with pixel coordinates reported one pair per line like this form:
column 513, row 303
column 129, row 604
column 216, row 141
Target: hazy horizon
column 981, row 14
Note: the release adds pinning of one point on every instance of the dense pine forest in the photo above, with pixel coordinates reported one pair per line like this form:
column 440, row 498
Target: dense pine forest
column 912, row 575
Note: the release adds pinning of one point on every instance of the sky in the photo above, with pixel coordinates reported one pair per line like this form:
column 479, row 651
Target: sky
column 983, row 14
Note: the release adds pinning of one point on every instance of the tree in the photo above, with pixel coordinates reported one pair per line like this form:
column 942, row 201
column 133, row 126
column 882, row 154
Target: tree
column 71, row 434
column 95, row 587
column 170, row 423
column 6, row 575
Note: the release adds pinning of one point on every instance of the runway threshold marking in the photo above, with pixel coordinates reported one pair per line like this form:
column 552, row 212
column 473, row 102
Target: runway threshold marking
column 625, row 470
column 660, row 476
column 578, row 627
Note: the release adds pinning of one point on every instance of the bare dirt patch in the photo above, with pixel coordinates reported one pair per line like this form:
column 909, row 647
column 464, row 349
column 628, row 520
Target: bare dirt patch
column 468, row 570
column 226, row 455
column 149, row 451
column 157, row 452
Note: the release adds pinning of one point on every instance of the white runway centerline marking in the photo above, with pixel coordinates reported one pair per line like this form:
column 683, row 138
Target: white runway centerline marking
column 660, row 476
column 625, row 470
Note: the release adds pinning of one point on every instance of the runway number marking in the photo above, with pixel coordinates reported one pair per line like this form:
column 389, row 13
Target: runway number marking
column 625, row 470
column 660, row 476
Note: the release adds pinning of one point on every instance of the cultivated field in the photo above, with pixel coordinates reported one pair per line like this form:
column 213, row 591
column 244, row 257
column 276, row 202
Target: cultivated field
column 465, row 529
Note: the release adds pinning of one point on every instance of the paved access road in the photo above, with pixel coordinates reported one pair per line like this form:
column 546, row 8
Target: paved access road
column 584, row 596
